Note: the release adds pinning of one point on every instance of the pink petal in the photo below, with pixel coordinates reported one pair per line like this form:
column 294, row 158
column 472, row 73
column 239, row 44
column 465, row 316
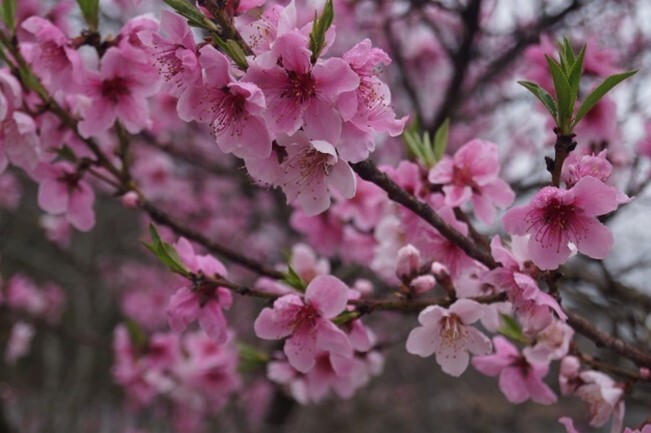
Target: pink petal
column 332, row 339
column 53, row 196
column 328, row 294
column 512, row 384
column 183, row 308
column 598, row 239
column 453, row 359
column 467, row 310
column 213, row 322
column 539, row 391
column 300, row 349
column 133, row 112
column 334, row 77
column 80, row 208
column 343, row 179
column 547, row 257
column 422, row 341
column 594, row 197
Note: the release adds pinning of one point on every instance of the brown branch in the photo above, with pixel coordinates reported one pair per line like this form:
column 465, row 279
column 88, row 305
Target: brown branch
column 460, row 62
column 163, row 218
column 606, row 367
column 601, row 338
column 369, row 172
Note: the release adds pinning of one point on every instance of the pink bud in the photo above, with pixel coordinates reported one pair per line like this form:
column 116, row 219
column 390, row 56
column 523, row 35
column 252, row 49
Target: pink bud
column 408, row 261
column 130, row 200
column 363, row 286
column 423, row 284
column 645, row 373
column 440, row 270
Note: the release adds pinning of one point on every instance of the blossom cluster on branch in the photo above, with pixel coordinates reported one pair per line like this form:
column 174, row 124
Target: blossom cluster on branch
column 196, row 117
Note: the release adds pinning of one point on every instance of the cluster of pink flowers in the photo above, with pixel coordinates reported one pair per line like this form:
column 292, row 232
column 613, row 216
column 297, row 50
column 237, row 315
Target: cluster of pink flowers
column 20, row 294
column 193, row 372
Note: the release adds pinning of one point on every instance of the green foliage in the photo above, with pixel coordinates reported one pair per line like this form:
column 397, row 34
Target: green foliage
column 346, row 317
column 251, row 358
column 319, row 29
column 426, row 151
column 566, row 75
column 598, row 93
column 511, row 329
column 294, row 280
column 8, row 12
column 192, row 14
column 233, row 50
column 90, row 12
column 166, row 253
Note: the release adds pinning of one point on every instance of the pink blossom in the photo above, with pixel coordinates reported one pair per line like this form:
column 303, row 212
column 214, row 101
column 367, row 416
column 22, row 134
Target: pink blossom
column 57, row 229
column 19, row 342
column 447, row 332
column 11, row 191
column 533, row 306
column 578, row 166
column 555, row 217
column 298, row 93
column 53, row 57
column 605, row 397
column 63, row 191
column 368, row 107
column 473, row 174
column 520, row 380
column 234, row 109
column 552, row 343
column 306, row 321
column 340, row 375
column 176, row 55
column 19, row 142
column 568, row 378
column 306, row 170
column 203, row 302
column 118, row 92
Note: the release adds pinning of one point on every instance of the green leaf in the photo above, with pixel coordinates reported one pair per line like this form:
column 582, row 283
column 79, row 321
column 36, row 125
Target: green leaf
column 166, row 253
column 66, row 154
column 542, row 95
column 90, row 12
column 319, row 29
column 511, row 328
column 294, row 280
column 566, row 55
column 598, row 93
column 192, row 14
column 574, row 74
column 346, row 317
column 137, row 335
column 251, row 357
column 564, row 97
column 9, row 14
column 441, row 139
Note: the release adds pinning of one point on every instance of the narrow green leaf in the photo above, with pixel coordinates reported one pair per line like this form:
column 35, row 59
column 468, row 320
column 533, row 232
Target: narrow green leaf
column 90, row 12
column 564, row 98
column 294, row 280
column 251, row 357
column 574, row 75
column 9, row 14
column 137, row 335
column 441, row 139
column 566, row 55
column 192, row 14
column 542, row 96
column 319, row 29
column 598, row 93
column 511, row 328
column 345, row 317
column 237, row 54
column 166, row 253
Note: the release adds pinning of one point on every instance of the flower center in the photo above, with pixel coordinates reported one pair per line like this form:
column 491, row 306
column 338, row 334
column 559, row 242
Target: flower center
column 115, row 88
column 301, row 86
column 306, row 318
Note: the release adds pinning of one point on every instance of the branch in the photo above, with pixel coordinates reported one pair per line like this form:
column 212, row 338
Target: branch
column 163, row 218
column 460, row 62
column 369, row 172
column 586, row 328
